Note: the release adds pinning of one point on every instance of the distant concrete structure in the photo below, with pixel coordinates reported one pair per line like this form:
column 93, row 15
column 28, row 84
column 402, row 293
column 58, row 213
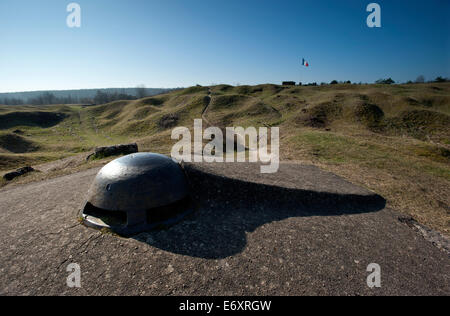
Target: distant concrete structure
column 288, row 83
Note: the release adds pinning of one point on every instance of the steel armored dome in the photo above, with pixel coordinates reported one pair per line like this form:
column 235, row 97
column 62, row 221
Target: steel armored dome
column 137, row 192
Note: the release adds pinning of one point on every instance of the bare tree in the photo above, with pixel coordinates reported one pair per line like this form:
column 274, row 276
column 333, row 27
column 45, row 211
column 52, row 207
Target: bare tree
column 420, row 79
column 141, row 91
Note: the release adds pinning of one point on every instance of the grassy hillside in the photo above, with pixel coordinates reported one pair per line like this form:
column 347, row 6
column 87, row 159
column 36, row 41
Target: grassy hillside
column 393, row 139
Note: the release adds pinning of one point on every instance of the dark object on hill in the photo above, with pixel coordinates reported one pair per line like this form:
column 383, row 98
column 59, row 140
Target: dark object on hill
column 125, row 149
column 168, row 121
column 136, row 193
column 288, row 83
column 19, row 172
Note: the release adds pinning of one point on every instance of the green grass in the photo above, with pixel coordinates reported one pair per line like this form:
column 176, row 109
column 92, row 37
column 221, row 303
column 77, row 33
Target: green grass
column 341, row 149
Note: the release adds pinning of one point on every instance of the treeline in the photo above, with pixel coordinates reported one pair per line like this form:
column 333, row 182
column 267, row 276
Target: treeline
column 48, row 98
column 420, row 79
column 86, row 97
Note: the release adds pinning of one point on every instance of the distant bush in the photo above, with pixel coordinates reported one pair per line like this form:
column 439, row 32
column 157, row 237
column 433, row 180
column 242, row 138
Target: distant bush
column 440, row 79
column 385, row 81
column 334, row 82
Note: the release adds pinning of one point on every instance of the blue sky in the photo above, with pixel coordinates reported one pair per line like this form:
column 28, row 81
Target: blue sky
column 168, row 43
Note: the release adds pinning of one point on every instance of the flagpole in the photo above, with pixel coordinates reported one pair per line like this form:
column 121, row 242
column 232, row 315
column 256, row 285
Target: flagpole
column 301, row 70
column 300, row 73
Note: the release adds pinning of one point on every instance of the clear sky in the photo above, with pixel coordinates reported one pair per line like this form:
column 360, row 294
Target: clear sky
column 174, row 43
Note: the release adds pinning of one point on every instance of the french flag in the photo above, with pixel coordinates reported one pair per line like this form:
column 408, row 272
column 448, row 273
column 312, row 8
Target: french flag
column 305, row 63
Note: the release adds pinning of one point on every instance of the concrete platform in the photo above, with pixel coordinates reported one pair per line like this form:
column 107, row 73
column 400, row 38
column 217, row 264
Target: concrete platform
column 298, row 232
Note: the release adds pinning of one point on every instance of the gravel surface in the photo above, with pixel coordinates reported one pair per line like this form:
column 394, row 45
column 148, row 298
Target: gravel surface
column 298, row 232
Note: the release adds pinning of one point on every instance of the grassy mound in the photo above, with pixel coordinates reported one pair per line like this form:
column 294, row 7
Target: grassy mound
column 38, row 119
column 227, row 101
column 106, row 110
column 144, row 112
column 420, row 124
column 432, row 152
column 17, row 144
column 321, row 115
column 194, row 90
column 222, row 88
column 369, row 114
column 243, row 90
column 9, row 162
column 153, row 101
